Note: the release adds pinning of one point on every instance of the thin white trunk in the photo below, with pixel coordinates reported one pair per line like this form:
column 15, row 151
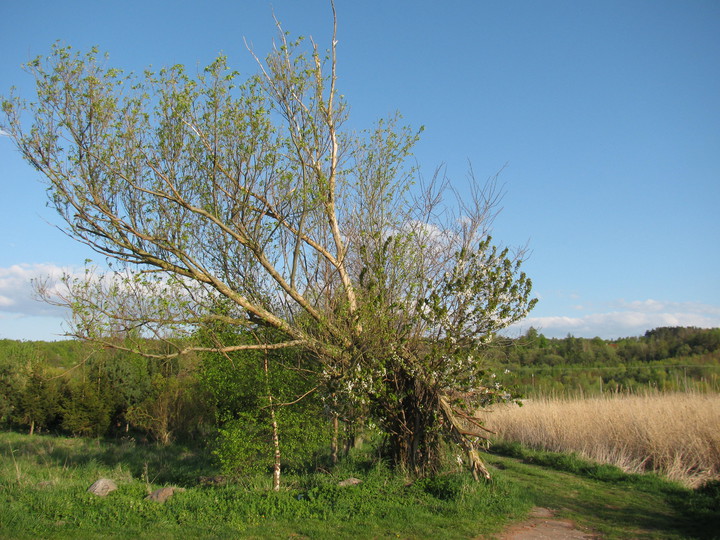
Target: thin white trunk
column 275, row 431
column 276, row 445
column 335, row 439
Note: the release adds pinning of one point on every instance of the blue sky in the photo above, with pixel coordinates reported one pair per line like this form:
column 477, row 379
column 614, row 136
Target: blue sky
column 604, row 116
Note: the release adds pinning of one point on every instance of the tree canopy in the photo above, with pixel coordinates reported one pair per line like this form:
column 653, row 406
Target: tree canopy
column 210, row 190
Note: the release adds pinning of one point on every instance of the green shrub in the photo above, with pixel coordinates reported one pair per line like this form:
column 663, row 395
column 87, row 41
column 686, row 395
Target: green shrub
column 84, row 412
column 446, row 487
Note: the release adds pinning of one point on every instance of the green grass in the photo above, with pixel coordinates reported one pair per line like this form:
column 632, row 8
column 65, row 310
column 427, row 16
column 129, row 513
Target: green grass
column 604, row 498
column 44, row 481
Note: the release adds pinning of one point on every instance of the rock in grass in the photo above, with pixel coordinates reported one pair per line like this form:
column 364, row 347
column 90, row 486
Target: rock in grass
column 102, row 487
column 350, row 482
column 163, row 494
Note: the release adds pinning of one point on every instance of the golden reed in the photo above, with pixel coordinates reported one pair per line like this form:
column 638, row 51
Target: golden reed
column 673, row 434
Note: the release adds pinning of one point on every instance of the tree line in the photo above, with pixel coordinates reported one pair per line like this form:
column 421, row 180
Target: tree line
column 666, row 359
column 224, row 400
column 76, row 388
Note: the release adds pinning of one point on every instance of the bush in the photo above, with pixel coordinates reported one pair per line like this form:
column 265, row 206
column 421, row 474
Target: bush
column 84, row 412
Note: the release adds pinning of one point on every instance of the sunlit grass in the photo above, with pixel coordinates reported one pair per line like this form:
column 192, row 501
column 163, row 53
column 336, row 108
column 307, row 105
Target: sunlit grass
column 44, row 481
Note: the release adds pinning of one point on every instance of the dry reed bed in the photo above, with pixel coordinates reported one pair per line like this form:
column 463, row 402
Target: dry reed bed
column 676, row 435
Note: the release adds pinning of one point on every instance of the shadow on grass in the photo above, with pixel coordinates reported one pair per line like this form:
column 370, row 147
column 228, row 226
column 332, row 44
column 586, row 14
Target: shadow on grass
column 176, row 464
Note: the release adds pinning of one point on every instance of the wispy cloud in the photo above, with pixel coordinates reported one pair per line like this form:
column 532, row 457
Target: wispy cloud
column 17, row 298
column 23, row 316
column 620, row 318
column 625, row 318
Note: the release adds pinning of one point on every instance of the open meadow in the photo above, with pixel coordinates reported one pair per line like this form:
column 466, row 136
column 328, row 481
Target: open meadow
column 44, row 483
column 673, row 434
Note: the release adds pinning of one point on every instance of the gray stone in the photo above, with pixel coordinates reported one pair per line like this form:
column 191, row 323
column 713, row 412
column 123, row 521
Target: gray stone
column 163, row 494
column 350, row 482
column 102, row 487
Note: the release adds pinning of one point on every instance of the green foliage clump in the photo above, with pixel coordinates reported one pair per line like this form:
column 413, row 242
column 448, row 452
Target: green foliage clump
column 75, row 388
column 444, row 487
column 84, row 412
column 252, row 391
column 37, row 398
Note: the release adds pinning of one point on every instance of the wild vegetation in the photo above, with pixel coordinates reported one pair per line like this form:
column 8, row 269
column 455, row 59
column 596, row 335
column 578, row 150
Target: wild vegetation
column 171, row 423
column 248, row 204
column 673, row 434
column 75, row 388
column 44, row 482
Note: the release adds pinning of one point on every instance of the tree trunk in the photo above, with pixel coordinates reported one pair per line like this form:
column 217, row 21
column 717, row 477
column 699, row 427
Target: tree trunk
column 275, row 431
column 353, row 435
column 414, row 443
column 276, row 446
column 463, row 437
column 335, row 439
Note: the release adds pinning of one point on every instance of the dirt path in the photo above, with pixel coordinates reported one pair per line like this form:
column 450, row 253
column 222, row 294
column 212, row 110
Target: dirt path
column 542, row 525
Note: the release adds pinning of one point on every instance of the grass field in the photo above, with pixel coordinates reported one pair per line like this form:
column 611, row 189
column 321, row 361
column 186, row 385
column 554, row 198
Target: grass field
column 676, row 435
column 44, row 481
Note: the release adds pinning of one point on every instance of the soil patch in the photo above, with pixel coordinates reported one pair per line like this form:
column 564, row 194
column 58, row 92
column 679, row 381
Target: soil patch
column 542, row 525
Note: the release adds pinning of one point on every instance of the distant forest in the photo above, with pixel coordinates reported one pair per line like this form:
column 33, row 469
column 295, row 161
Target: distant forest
column 75, row 388
column 666, row 359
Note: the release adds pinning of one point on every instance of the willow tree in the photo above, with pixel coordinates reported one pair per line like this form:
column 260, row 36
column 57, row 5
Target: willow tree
column 208, row 189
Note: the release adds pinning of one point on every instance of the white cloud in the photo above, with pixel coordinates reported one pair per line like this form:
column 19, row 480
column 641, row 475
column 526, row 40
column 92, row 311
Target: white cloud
column 622, row 319
column 23, row 316
column 17, row 298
